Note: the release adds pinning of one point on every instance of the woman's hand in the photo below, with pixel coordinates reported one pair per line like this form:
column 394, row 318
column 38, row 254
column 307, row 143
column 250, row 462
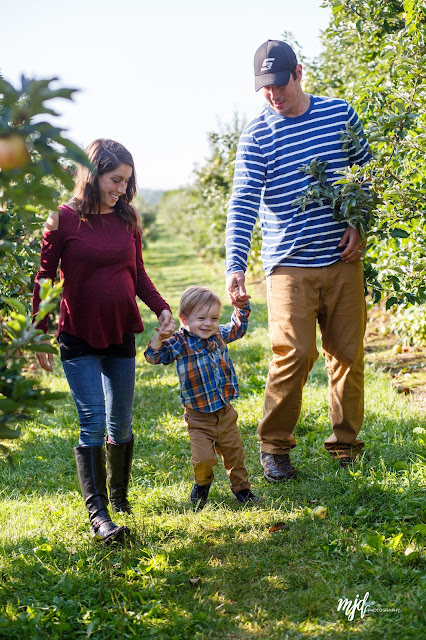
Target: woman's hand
column 167, row 324
column 45, row 360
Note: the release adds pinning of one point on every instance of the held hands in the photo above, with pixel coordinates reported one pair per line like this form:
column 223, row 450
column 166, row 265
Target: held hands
column 353, row 245
column 165, row 330
column 167, row 324
column 236, row 290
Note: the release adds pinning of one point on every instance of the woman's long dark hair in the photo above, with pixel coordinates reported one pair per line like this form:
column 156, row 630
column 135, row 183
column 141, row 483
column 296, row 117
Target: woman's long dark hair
column 105, row 155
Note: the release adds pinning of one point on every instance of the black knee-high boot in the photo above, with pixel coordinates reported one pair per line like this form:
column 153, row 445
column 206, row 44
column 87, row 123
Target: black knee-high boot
column 119, row 463
column 92, row 476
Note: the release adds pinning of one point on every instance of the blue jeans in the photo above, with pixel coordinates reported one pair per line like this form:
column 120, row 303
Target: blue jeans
column 102, row 388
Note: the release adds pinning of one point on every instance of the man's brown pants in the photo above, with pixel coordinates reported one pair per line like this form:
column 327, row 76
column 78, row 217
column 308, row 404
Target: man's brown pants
column 298, row 298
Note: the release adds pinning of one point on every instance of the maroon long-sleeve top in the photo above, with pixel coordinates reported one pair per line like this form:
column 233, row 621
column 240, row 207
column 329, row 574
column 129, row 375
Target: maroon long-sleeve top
column 103, row 271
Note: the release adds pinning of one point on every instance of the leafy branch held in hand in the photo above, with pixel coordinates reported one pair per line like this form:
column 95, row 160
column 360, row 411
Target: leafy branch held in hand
column 349, row 197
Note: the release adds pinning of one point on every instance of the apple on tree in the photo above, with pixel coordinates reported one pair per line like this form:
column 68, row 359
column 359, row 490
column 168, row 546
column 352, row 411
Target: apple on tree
column 13, row 152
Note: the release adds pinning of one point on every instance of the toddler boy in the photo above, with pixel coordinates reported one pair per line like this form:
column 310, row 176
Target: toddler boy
column 207, row 385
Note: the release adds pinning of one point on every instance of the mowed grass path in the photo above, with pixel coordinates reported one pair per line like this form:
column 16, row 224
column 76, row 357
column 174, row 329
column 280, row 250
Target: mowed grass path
column 219, row 573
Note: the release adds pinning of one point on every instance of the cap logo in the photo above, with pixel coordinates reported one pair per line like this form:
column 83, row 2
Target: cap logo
column 267, row 64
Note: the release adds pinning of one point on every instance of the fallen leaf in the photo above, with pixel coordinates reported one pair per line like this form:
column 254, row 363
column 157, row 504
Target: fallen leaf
column 409, row 550
column 405, row 390
column 319, row 512
column 278, row 526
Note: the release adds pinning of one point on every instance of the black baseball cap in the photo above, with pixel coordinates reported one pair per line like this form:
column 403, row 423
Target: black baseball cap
column 273, row 62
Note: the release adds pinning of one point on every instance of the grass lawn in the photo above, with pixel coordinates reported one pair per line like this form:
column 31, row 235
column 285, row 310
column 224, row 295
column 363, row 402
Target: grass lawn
column 221, row 572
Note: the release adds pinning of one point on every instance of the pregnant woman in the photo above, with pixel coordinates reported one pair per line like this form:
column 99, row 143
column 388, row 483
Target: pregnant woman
column 96, row 240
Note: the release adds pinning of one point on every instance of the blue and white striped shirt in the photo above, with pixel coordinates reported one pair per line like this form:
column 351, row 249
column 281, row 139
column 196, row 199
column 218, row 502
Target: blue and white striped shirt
column 267, row 181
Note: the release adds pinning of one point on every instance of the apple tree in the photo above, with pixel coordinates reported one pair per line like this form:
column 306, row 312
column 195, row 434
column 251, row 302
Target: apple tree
column 374, row 54
column 35, row 162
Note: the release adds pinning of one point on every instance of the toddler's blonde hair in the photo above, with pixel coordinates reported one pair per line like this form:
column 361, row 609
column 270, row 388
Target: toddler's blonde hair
column 195, row 298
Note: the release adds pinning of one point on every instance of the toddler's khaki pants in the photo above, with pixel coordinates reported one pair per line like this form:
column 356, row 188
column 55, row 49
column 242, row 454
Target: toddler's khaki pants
column 216, row 432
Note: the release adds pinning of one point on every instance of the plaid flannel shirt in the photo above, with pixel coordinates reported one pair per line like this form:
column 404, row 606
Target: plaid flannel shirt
column 206, row 374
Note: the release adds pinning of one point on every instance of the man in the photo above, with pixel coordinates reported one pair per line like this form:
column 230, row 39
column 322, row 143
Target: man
column 312, row 262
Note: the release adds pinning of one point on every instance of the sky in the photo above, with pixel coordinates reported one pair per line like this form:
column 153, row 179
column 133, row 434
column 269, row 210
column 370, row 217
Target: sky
column 155, row 76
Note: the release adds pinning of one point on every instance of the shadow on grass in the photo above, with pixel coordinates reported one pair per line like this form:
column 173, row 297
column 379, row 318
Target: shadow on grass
column 191, row 575
column 184, row 577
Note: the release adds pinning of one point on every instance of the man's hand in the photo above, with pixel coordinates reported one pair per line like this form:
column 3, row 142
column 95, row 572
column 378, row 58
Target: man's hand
column 354, row 247
column 236, row 290
column 167, row 324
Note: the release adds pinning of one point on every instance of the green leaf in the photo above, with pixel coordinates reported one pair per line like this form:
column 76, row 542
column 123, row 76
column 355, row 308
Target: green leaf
column 390, row 302
column 15, row 304
column 393, row 543
column 411, row 298
column 44, row 310
column 399, row 233
column 375, row 540
column 376, row 295
column 42, row 550
column 401, row 466
column 419, row 528
column 42, row 348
